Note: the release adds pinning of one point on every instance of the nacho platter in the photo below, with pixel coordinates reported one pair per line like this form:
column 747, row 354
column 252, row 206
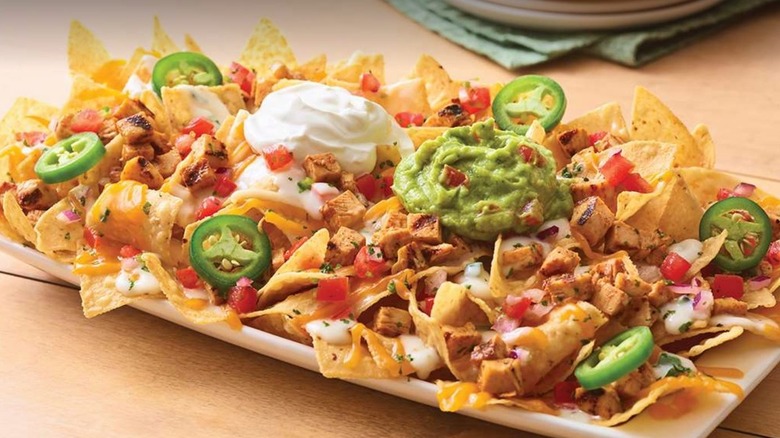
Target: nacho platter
column 322, row 281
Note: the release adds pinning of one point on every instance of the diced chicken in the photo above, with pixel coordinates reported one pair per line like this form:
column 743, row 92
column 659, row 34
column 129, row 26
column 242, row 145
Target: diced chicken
column 213, row 150
column 639, row 312
column 573, row 140
column 438, row 254
column 410, row 256
column 167, row 162
column 142, row 170
column 592, row 219
column 130, row 151
column 660, row 294
column 322, row 168
column 610, row 299
column 198, row 175
column 347, row 182
column 425, row 228
column 345, row 210
column 729, row 306
column 34, row 194
column 622, row 237
column 393, row 235
column 461, row 341
column 603, row 402
column 559, row 261
column 522, row 257
column 279, row 243
column 449, row 116
column 343, row 246
column 137, row 129
column 632, row 285
column 585, row 189
column 392, row 322
column 127, row 108
column 606, row 272
column 493, row 349
column 561, row 287
column 501, row 376
column 631, row 384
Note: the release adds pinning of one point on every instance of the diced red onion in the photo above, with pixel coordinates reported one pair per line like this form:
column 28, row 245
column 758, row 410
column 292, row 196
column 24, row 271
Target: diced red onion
column 505, row 324
column 68, row 216
column 760, row 282
column 547, row 232
column 744, row 190
column 703, row 300
column 129, row 264
column 535, row 295
column 244, row 282
column 684, row 289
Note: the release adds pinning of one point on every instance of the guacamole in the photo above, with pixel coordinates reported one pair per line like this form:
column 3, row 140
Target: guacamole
column 481, row 182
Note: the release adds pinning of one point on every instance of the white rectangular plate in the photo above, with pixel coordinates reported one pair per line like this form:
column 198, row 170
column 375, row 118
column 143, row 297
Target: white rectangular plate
column 753, row 355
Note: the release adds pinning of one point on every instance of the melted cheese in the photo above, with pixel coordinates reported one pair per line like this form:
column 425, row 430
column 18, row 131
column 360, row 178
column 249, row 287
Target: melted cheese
column 453, row 396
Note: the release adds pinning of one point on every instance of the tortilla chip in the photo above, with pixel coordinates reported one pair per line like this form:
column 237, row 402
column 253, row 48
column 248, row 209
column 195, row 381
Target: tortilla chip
column 761, row 298
column 17, row 219
column 162, row 44
column 99, row 295
column 722, row 338
column 266, row 47
column 357, row 64
column 652, row 120
column 408, row 95
column 721, row 335
column 278, row 319
column 110, row 74
column 440, row 88
column 564, row 369
column 710, row 249
column 133, row 65
column 421, row 134
column 110, row 160
column 190, row 44
column 752, row 322
column 706, row 146
column 650, row 158
column 85, row 93
column 455, row 306
column 56, row 239
column 181, row 106
column 331, row 359
column 606, row 118
column 86, row 53
column 528, row 404
column 536, row 132
column 314, row 69
column 8, row 231
column 675, row 211
column 25, row 115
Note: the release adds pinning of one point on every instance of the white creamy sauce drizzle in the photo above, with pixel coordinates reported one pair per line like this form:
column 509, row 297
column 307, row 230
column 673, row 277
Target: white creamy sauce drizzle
column 577, row 415
column 689, row 249
column 741, row 321
column 332, row 331
column 661, row 370
column 141, row 79
column 679, row 314
column 205, row 103
column 136, row 282
column 424, row 359
column 475, row 278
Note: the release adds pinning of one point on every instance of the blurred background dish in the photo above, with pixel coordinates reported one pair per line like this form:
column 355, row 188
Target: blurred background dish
column 588, row 6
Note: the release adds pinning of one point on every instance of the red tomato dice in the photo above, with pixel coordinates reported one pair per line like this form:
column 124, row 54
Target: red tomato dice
column 31, row 138
column 296, row 245
column 370, row 262
column 333, row 289
column 563, row 393
column 515, row 307
column 208, row 207
column 369, row 83
column 474, row 99
column 183, row 144
column 616, row 169
column 773, row 253
column 367, row 185
column 633, row 182
column 427, row 305
column 674, row 267
column 728, row 286
column 454, row 177
column 243, row 299
column 128, row 251
column 91, row 237
column 277, row 157
column 199, row 126
column 188, row 277
column 87, row 120
column 242, row 76
column 596, row 137
column 224, row 186
column 407, row 119
column 386, row 186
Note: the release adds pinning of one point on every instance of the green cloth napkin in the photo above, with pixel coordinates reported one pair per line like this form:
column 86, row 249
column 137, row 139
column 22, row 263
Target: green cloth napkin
column 513, row 47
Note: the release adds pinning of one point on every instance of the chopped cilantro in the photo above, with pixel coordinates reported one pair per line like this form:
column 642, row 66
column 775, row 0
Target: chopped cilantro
column 147, row 208
column 391, row 287
column 104, row 216
column 305, row 184
column 685, row 327
column 326, row 268
column 677, row 368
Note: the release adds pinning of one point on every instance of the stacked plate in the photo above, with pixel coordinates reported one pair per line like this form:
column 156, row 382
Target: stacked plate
column 571, row 15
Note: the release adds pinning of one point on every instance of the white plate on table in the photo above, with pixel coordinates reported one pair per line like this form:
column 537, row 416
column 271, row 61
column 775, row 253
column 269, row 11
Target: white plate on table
column 558, row 21
column 588, row 6
column 752, row 354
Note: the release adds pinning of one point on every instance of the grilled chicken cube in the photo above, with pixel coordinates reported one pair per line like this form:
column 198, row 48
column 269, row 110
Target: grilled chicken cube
column 393, row 235
column 425, row 228
column 493, row 349
column 449, row 116
column 347, row 182
column 137, row 129
column 343, row 246
column 501, row 376
column 127, row 108
column 610, row 300
column 142, row 170
column 213, row 150
column 639, row 312
column 592, row 219
column 660, row 294
column 522, row 257
column 198, row 175
column 279, row 244
column 622, row 236
column 603, row 402
column 438, row 254
column 34, row 194
column 562, row 287
column 130, row 151
column 573, row 140
column 461, row 341
column 410, row 256
column 630, row 385
column 392, row 322
column 585, row 189
column 167, row 162
column 322, row 168
column 559, row 261
column 632, row 285
column 345, row 210
column 729, row 306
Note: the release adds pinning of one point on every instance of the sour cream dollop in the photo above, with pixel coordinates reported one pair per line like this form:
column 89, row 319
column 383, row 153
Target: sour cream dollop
column 312, row 118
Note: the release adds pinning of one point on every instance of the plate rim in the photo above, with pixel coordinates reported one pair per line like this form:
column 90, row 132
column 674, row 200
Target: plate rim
column 589, row 7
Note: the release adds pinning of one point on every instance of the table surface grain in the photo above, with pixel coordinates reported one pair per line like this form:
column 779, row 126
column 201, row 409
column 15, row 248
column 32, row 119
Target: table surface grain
column 130, row 374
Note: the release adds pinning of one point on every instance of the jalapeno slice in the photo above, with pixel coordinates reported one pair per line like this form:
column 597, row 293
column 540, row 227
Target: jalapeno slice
column 616, row 358
column 188, row 68
column 528, row 98
column 225, row 248
column 70, row 158
column 749, row 232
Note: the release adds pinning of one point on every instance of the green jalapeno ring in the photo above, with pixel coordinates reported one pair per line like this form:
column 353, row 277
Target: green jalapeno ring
column 190, row 68
column 506, row 108
column 725, row 215
column 616, row 358
column 250, row 259
column 70, row 158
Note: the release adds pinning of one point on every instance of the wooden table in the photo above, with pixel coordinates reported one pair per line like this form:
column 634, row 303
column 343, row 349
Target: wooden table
column 130, row 374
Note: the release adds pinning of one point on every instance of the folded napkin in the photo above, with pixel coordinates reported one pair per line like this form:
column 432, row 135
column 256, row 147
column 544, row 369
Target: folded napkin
column 514, row 47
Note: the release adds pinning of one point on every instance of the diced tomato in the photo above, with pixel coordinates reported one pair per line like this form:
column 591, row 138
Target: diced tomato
column 277, row 157
column 616, row 169
column 728, row 286
column 296, row 245
column 773, row 253
column 188, row 277
column 208, row 207
column 386, row 186
column 367, row 185
column 563, row 393
column 199, row 126
column 596, row 137
column 474, row 99
column 183, row 144
column 427, row 305
column 674, row 267
column 724, row 193
column 128, row 251
column 91, row 237
column 242, row 76
column 515, row 307
column 454, row 177
column 224, row 185
column 633, row 182
column 31, row 138
column 407, row 119
column 242, row 298
column 87, row 120
column 370, row 262
column 527, row 153
column 333, row 289
column 369, row 83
